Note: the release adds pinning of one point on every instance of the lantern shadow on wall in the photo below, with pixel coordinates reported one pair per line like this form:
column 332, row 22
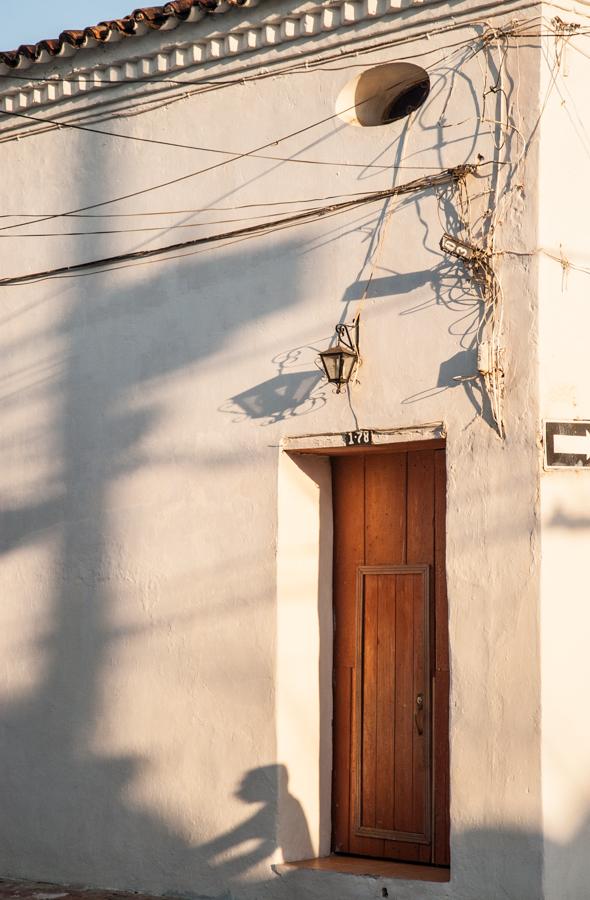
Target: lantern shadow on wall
column 288, row 394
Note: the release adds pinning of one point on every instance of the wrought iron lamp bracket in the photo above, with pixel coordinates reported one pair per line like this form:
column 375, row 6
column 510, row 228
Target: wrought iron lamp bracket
column 349, row 335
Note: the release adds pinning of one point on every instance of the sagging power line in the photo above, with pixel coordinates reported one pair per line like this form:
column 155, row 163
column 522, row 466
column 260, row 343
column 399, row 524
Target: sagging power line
column 445, row 176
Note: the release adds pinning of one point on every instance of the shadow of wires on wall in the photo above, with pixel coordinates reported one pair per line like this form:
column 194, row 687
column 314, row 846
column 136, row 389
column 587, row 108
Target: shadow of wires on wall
column 446, row 282
column 457, row 371
column 449, row 286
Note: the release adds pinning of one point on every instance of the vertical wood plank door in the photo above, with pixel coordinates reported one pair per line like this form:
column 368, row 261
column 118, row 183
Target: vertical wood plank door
column 390, row 765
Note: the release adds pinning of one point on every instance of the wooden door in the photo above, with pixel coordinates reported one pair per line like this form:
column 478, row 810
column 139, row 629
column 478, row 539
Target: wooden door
column 390, row 772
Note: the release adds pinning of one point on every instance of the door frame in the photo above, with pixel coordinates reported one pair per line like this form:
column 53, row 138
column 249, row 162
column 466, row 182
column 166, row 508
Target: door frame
column 296, row 478
column 393, row 447
column 438, row 758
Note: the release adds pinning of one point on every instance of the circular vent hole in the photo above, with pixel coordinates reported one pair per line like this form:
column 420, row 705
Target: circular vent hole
column 383, row 94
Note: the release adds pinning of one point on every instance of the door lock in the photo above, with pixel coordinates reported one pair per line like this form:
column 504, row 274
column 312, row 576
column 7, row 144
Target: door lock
column 418, row 713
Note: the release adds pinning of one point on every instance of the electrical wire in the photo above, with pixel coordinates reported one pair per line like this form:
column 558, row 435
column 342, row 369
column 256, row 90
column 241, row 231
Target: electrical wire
column 181, row 178
column 304, row 67
column 486, row 282
column 171, row 182
column 159, row 228
column 231, row 158
column 88, row 128
column 429, row 181
column 182, row 212
column 485, row 279
column 177, row 180
column 143, row 140
column 300, row 66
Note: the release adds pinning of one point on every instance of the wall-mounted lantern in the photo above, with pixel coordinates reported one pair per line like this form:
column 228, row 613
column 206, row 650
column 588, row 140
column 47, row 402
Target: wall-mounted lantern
column 341, row 361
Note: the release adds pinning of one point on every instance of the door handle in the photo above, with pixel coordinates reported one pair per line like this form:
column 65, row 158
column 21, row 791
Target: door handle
column 419, row 713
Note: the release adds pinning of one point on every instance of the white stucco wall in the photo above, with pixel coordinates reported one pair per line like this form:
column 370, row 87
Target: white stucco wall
column 149, row 561
column 565, row 494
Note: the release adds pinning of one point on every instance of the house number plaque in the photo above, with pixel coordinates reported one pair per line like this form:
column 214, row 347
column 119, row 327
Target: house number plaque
column 357, row 438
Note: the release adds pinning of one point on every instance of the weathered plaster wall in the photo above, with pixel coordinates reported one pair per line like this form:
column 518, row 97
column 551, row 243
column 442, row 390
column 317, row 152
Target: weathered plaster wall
column 144, row 737
column 565, row 494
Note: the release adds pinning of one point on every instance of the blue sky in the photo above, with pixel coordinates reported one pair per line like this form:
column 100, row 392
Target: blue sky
column 29, row 21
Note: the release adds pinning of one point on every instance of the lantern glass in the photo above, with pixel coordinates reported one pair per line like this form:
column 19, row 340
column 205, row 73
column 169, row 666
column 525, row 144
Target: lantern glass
column 349, row 361
column 338, row 363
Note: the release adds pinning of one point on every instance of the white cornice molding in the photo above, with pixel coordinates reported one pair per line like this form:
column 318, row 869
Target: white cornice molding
column 272, row 31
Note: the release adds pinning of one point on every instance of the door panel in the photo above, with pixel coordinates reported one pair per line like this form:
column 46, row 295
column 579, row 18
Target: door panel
column 342, row 748
column 385, row 510
column 392, row 671
column 390, row 775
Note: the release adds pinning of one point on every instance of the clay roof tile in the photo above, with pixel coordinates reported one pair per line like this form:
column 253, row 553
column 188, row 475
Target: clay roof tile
column 155, row 17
